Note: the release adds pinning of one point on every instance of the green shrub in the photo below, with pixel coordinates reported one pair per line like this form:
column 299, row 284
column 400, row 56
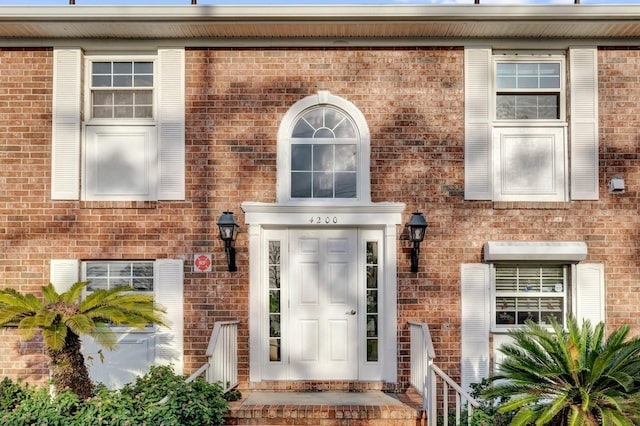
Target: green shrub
column 11, row 394
column 39, row 408
column 196, row 403
column 160, row 397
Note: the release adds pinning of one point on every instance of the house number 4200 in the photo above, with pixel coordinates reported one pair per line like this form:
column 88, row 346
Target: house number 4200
column 325, row 219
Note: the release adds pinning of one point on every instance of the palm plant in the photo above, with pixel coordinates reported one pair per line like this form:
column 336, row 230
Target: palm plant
column 63, row 318
column 570, row 377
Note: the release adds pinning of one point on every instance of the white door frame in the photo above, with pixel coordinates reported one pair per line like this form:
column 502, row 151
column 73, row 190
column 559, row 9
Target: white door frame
column 261, row 218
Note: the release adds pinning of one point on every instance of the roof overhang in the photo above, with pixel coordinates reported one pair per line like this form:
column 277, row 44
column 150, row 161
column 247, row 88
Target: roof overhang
column 324, row 22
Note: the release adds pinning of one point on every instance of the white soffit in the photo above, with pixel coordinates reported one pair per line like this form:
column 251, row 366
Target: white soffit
column 561, row 251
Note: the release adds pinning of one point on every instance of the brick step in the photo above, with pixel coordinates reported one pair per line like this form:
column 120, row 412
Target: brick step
column 373, row 408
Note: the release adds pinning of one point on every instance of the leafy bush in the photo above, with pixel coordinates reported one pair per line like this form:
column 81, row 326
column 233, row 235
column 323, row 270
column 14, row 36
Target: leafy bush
column 160, row 397
column 11, row 394
column 196, row 403
column 575, row 376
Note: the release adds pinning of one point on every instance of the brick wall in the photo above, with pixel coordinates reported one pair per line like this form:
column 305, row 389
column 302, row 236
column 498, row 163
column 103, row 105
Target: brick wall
column 413, row 101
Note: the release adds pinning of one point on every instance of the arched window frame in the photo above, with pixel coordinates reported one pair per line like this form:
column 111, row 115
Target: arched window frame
column 324, row 98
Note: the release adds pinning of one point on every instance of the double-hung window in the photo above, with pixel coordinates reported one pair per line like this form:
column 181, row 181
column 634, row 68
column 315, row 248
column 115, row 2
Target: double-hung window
column 531, row 125
column 128, row 144
column 529, row 134
column 120, row 155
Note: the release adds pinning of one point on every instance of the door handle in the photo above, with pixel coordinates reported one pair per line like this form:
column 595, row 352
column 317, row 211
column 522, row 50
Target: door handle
column 351, row 312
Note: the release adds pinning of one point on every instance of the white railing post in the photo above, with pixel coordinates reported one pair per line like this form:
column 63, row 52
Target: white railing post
column 424, row 378
column 223, row 355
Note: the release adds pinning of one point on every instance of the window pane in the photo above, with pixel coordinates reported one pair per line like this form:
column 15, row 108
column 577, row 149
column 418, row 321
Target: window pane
column 549, row 82
column 101, row 80
column 122, row 67
column 123, row 112
column 346, row 185
column 315, row 118
column 102, row 98
column 122, row 81
column 120, row 269
column 302, row 129
column 527, row 82
column 143, row 112
column 345, row 157
column 97, row 284
column 103, row 112
column 143, row 67
column 323, row 157
column 301, row 184
column 322, row 185
column 142, row 284
column 506, row 82
column 301, row 157
column 123, row 98
column 372, row 325
column 101, row 68
column 143, row 269
column 345, row 130
column 372, row 301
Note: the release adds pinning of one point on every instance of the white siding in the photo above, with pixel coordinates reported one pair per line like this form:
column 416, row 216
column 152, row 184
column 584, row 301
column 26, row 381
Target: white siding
column 65, row 137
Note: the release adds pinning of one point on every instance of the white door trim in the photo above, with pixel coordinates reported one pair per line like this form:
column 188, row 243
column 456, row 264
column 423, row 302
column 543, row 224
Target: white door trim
column 263, row 218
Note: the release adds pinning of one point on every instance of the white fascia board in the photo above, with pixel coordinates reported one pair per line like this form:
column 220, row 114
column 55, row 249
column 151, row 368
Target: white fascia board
column 208, row 12
column 540, row 251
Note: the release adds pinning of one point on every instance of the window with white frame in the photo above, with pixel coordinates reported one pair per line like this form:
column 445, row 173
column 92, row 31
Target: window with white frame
column 529, row 89
column 129, row 144
column 323, row 152
column 523, row 140
column 122, row 89
column 105, row 275
column 524, row 293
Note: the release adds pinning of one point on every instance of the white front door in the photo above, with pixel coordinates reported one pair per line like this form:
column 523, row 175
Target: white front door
column 323, row 304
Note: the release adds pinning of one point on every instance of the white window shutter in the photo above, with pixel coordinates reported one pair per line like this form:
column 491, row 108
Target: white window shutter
column 171, row 124
column 65, row 137
column 169, row 292
column 477, row 130
column 475, row 281
column 588, row 294
column 584, row 122
column 64, row 273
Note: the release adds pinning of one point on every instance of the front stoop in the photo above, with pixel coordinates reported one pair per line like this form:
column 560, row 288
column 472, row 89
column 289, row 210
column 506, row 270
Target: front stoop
column 372, row 408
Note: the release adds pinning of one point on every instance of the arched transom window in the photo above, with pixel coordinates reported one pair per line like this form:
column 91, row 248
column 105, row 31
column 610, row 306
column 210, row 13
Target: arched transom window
column 323, row 151
column 324, row 155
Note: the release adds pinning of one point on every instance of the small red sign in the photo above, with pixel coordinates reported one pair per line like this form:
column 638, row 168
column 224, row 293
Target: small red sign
column 202, row 263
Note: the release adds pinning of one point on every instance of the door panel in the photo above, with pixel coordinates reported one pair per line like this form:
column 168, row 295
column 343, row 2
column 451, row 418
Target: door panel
column 323, row 307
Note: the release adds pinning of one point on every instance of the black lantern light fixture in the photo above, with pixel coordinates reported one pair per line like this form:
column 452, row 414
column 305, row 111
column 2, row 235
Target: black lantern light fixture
column 417, row 227
column 228, row 233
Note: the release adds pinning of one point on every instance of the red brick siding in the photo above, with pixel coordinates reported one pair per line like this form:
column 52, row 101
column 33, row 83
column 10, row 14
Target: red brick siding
column 413, row 100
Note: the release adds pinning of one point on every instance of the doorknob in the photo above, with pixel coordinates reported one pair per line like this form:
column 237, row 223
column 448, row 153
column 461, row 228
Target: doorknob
column 351, row 312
